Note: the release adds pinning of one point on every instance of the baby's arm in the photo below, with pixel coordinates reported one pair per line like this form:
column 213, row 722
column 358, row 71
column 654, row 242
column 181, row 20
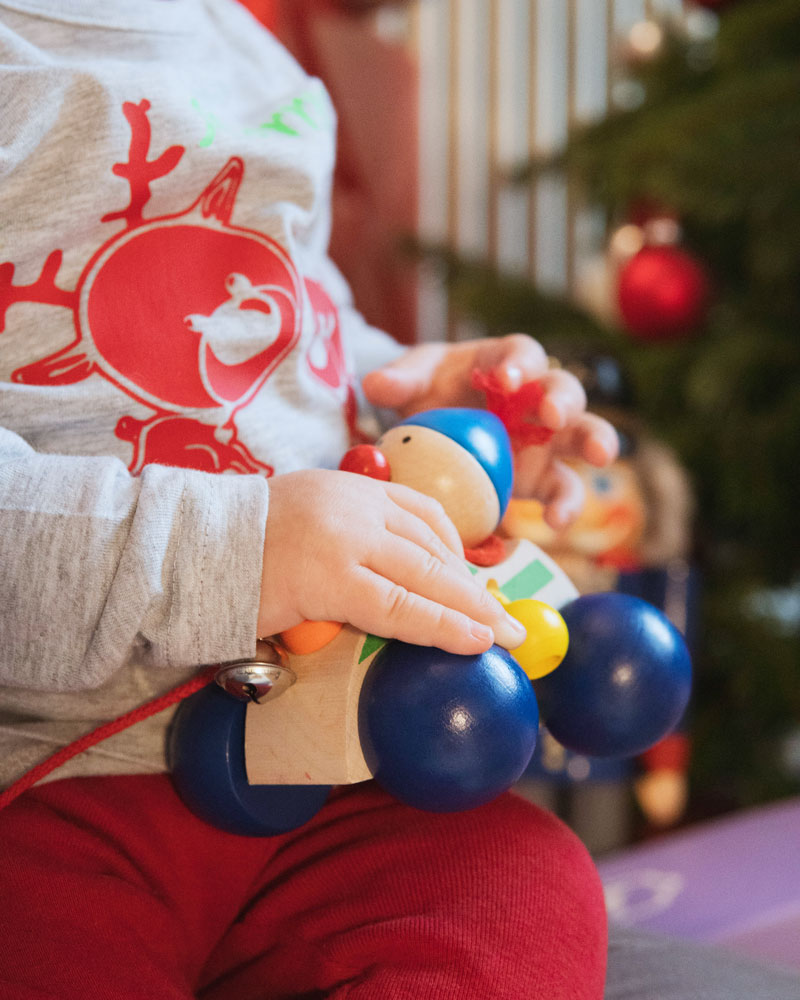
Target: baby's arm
column 377, row 555
column 99, row 565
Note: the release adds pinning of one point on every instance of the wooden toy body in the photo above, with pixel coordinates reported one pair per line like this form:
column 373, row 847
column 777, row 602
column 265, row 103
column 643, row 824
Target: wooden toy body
column 309, row 735
column 441, row 732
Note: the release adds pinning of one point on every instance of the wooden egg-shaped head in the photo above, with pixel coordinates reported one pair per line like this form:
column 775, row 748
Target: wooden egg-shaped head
column 460, row 457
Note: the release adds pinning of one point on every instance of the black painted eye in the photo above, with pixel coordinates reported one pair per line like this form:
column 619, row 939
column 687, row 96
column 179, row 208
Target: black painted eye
column 406, row 439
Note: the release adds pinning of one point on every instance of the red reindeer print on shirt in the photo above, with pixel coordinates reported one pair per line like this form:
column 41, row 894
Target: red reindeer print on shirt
column 181, row 312
column 326, row 358
column 325, row 352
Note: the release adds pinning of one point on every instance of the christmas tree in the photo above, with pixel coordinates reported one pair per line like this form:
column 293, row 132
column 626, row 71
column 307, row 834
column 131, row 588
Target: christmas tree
column 708, row 328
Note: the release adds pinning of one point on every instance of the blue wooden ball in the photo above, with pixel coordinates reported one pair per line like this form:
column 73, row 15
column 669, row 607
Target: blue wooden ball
column 625, row 681
column 443, row 732
column 205, row 752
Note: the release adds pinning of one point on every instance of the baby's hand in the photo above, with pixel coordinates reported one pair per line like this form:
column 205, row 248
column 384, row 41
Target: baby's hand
column 434, row 375
column 380, row 556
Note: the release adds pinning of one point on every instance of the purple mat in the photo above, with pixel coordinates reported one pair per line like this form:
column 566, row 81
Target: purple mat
column 735, row 881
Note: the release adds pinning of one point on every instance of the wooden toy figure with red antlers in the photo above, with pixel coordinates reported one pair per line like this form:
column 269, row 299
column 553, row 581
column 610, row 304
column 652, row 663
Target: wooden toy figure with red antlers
column 333, row 705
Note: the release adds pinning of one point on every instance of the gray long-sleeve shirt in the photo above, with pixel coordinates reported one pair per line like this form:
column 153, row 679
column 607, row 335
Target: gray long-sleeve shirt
column 167, row 313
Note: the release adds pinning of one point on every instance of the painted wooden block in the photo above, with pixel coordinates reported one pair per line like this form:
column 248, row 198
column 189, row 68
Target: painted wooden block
column 527, row 571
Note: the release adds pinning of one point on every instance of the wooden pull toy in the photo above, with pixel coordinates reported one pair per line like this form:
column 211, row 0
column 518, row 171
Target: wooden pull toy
column 440, row 732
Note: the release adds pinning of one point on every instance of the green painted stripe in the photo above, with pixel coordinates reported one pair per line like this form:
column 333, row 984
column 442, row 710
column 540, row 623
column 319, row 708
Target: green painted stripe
column 528, row 581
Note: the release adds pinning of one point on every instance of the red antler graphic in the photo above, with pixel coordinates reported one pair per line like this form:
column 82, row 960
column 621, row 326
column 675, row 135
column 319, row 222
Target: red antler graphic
column 139, row 171
column 218, row 199
column 44, row 289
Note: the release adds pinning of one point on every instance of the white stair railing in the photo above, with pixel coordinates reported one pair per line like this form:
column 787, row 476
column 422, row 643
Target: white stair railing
column 501, row 80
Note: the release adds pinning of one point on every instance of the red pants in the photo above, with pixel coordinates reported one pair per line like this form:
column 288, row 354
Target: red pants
column 110, row 888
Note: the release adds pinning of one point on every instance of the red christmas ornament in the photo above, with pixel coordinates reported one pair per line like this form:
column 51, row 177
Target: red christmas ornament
column 663, row 293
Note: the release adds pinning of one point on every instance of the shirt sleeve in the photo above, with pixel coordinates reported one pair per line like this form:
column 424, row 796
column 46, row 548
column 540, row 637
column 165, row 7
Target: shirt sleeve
column 98, row 564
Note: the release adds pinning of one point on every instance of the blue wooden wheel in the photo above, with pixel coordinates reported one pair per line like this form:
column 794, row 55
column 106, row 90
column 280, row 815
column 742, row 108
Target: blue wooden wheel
column 443, row 732
column 206, row 757
column 625, row 681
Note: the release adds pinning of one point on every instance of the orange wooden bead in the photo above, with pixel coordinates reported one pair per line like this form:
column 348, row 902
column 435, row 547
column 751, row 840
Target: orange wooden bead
column 308, row 637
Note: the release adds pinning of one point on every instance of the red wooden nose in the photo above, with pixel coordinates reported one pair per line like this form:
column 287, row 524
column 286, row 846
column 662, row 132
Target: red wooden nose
column 366, row 460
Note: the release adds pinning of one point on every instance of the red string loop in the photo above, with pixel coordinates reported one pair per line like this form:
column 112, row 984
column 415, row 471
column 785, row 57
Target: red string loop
column 61, row 756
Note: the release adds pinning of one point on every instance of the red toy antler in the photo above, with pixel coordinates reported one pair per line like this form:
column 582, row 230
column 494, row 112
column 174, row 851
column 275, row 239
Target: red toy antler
column 517, row 410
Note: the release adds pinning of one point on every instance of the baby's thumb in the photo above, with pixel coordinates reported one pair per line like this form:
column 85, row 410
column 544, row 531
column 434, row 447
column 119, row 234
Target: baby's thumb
column 395, row 386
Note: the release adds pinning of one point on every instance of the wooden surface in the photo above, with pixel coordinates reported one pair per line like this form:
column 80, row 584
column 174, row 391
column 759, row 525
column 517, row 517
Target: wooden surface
column 309, row 735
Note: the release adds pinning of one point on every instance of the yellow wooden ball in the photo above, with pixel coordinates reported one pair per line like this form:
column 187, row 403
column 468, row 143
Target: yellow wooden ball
column 546, row 644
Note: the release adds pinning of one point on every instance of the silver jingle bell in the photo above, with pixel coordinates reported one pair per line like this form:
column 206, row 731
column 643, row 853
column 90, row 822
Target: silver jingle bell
column 260, row 679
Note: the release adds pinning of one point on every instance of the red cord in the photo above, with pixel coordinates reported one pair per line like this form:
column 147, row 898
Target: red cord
column 61, row 756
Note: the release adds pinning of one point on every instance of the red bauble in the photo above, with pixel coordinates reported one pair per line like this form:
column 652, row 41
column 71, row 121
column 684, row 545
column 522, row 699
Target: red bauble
column 663, row 293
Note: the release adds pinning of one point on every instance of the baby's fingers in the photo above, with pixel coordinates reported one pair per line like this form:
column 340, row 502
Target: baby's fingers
column 513, row 360
column 590, row 438
column 397, row 611
column 451, row 586
column 404, row 525
column 562, row 494
column 429, row 511
column 564, row 399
